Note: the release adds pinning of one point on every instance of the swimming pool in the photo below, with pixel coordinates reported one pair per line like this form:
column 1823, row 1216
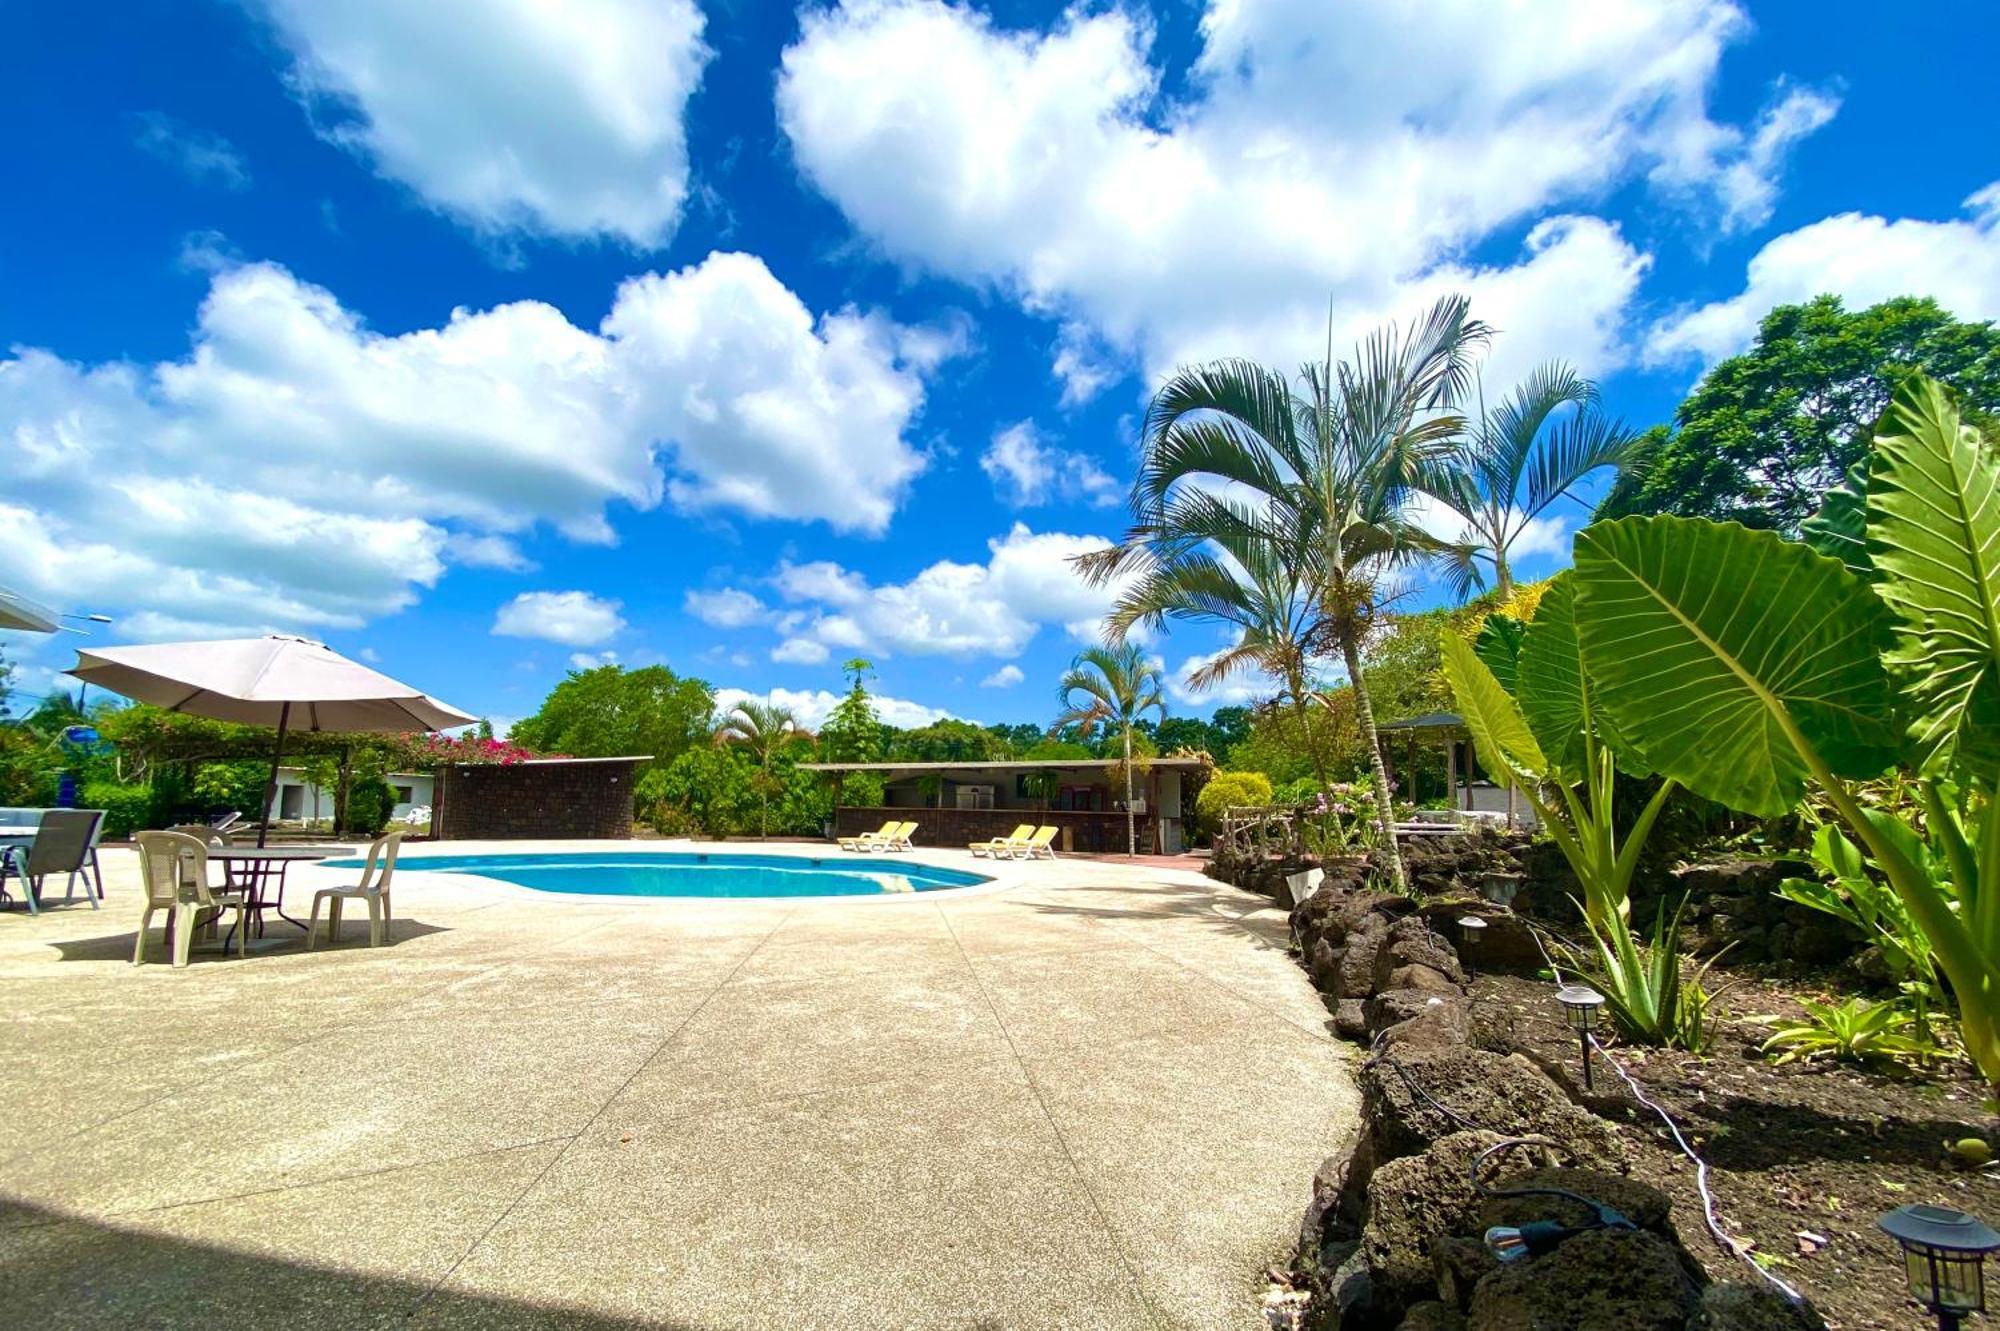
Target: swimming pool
column 626, row 873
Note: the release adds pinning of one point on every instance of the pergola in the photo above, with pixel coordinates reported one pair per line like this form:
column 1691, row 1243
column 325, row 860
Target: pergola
column 1447, row 724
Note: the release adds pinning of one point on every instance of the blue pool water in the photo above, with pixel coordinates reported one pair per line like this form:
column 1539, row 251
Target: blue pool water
column 628, row 873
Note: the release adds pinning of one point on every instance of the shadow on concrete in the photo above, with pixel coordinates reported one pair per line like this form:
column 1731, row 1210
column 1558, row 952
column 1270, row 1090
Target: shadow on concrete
column 279, row 940
column 61, row 1271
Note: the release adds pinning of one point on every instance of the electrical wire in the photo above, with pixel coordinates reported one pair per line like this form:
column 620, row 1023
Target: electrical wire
column 1734, row 1246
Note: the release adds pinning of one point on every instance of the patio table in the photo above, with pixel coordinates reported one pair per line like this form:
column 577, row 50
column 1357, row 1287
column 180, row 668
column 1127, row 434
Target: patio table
column 254, row 869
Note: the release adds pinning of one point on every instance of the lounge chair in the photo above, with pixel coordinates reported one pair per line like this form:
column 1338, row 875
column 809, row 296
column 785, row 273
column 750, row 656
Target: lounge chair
column 372, row 889
column 66, row 843
column 175, row 870
column 1040, row 846
column 868, row 839
column 897, row 840
column 1000, row 844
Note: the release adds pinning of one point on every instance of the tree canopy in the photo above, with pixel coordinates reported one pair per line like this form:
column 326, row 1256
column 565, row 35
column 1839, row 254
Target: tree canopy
column 611, row 711
column 1766, row 434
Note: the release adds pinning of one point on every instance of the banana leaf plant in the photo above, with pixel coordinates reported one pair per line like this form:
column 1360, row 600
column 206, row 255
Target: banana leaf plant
column 1535, row 722
column 1751, row 668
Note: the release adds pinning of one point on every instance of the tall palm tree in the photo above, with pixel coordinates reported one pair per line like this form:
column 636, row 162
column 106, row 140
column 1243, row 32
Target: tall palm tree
column 1107, row 687
column 1322, row 473
column 1244, row 582
column 766, row 730
column 1523, row 455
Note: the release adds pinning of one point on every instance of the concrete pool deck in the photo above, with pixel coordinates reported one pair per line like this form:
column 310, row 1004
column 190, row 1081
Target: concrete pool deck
column 1088, row 1095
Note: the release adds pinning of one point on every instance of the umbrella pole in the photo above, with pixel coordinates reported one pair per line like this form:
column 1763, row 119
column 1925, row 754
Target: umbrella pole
column 271, row 787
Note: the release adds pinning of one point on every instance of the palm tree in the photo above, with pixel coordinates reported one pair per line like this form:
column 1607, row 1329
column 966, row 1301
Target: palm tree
column 1530, row 438
column 766, row 730
column 1116, row 684
column 1234, row 456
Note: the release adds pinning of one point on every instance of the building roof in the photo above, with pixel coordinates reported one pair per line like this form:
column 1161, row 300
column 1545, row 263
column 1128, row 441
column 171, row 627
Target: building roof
column 1428, row 721
column 1002, row 765
column 548, row 762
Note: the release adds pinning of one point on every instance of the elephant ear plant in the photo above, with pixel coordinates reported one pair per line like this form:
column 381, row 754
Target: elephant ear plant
column 1751, row 669
column 1535, row 719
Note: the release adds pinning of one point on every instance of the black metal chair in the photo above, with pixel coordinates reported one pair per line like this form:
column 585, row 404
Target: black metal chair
column 65, row 843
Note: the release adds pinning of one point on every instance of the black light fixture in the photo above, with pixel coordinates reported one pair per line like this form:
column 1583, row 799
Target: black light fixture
column 1944, row 1258
column 1580, row 1005
column 1470, row 930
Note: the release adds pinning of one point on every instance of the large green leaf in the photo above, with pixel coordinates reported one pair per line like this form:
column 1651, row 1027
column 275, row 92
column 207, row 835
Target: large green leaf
column 1712, row 646
column 1934, row 536
column 1499, row 645
column 1840, row 528
column 1500, row 734
column 1549, row 681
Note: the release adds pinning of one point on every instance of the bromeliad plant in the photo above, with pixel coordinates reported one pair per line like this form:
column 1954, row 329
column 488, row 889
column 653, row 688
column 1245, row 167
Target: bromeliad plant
column 1534, row 718
column 1856, row 1031
column 1752, row 669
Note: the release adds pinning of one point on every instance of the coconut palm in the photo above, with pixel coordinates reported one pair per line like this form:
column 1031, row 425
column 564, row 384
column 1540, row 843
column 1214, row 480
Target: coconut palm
column 1108, row 687
column 1525, row 454
column 764, row 729
column 1234, row 455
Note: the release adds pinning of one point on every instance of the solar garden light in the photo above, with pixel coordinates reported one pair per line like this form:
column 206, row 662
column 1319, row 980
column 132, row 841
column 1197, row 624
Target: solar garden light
column 1944, row 1258
column 1470, row 929
column 1580, row 1005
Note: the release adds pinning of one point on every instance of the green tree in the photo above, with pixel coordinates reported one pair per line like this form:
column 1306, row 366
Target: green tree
column 1233, row 455
column 764, row 730
column 1106, row 688
column 947, row 741
column 1766, row 434
column 1018, row 737
column 609, row 712
column 1524, row 455
column 853, row 730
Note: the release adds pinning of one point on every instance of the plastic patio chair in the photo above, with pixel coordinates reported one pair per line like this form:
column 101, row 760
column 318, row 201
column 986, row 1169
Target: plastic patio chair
column 174, row 869
column 66, row 843
column 372, row 889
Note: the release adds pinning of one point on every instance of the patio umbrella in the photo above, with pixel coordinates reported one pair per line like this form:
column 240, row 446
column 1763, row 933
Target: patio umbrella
column 271, row 681
column 18, row 612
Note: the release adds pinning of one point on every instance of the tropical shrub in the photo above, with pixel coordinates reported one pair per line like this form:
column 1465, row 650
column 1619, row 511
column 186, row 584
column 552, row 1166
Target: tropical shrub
column 1229, row 790
column 127, row 808
column 1856, row 1031
column 1752, row 669
column 370, row 801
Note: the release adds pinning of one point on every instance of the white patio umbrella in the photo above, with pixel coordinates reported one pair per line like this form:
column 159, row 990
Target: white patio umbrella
column 271, row 681
column 18, row 612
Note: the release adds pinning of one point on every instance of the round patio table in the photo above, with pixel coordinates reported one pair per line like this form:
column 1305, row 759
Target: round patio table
column 260, row 872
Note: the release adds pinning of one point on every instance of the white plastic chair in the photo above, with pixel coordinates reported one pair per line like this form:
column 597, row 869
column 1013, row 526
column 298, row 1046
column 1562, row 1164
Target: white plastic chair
column 174, row 867
column 372, row 889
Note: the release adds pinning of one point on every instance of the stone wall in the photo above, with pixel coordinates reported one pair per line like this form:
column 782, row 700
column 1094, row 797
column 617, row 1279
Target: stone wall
column 554, row 800
column 1393, row 1238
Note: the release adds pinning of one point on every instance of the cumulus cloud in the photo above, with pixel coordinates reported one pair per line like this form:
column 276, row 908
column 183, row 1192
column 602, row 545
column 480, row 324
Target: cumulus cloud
column 201, row 155
column 800, row 651
column 1243, row 689
column 729, row 608
column 1026, row 472
column 1748, row 186
column 563, row 120
column 1859, row 257
column 576, row 618
column 298, row 461
column 1006, row 677
column 592, row 660
column 813, row 706
column 1304, row 162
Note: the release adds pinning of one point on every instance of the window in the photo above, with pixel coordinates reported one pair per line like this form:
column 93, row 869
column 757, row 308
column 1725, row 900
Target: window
column 974, row 797
column 404, row 794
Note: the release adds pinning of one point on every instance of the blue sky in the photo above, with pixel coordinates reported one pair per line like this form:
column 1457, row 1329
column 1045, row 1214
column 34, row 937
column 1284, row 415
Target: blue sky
column 743, row 337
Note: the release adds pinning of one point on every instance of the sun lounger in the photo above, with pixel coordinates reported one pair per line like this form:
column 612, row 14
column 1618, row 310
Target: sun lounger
column 1040, row 846
column 900, row 839
column 1000, row 845
column 867, row 840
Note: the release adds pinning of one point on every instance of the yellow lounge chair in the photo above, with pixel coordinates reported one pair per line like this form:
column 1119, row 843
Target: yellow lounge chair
column 900, row 839
column 1009, row 842
column 869, row 839
column 1040, row 846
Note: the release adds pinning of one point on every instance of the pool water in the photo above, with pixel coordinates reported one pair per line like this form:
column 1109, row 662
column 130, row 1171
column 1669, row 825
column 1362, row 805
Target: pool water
column 690, row 874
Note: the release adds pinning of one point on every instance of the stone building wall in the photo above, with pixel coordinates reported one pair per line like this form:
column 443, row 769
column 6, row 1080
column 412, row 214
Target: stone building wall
column 497, row 802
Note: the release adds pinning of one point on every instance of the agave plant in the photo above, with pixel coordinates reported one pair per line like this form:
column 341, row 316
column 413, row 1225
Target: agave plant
column 1857, row 1031
column 1752, row 668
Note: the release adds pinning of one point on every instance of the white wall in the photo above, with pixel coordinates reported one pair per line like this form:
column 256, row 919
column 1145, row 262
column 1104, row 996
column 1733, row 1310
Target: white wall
column 284, row 806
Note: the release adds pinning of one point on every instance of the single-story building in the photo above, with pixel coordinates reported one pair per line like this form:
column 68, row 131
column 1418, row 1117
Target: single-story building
column 954, row 804
column 299, row 800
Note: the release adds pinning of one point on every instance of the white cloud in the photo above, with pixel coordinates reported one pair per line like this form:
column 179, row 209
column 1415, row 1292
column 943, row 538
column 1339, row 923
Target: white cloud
column 516, row 116
column 960, row 609
column 1306, row 161
column 576, row 618
column 821, row 580
column 1006, row 677
column 298, row 462
column 1862, row 258
column 813, row 706
column 592, row 660
column 1026, row 472
column 799, row 651
column 1242, row 689
column 200, row 155
column 729, row 608
column 1748, row 187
